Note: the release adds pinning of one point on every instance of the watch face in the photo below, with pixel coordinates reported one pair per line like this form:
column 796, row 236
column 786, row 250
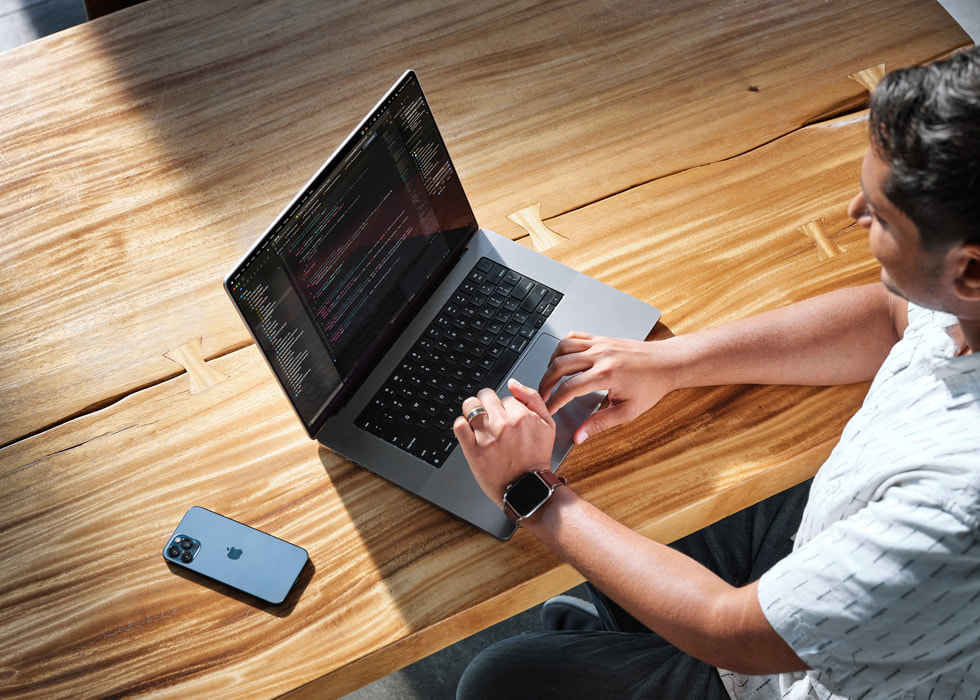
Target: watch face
column 527, row 493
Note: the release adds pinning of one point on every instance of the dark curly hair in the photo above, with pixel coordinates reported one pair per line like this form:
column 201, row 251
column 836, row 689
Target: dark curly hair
column 925, row 122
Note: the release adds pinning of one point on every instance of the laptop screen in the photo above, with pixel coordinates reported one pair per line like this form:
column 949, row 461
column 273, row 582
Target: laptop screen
column 344, row 268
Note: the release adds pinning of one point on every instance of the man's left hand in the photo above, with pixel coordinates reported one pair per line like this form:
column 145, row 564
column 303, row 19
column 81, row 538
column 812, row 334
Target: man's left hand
column 513, row 436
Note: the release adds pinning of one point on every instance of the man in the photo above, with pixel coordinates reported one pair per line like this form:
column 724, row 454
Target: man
column 879, row 595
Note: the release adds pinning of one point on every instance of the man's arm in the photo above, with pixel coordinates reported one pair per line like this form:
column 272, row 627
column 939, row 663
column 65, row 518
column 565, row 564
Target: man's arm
column 836, row 338
column 669, row 592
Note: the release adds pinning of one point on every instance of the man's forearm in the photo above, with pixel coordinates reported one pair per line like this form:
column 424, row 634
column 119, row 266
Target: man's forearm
column 670, row 593
column 836, row 338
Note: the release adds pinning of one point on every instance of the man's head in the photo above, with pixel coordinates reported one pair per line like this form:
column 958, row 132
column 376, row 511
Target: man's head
column 925, row 123
column 920, row 194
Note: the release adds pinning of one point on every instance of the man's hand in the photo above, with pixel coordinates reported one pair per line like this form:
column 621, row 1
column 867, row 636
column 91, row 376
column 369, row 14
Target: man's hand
column 836, row 338
column 635, row 373
column 515, row 434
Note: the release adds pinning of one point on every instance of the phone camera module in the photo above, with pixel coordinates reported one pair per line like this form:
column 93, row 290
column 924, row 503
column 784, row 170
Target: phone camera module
column 183, row 548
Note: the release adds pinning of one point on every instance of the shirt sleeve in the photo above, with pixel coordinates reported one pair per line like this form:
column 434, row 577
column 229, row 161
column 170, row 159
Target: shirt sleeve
column 888, row 598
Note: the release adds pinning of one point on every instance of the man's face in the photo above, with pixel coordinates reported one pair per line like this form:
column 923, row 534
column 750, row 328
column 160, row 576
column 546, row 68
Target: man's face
column 906, row 268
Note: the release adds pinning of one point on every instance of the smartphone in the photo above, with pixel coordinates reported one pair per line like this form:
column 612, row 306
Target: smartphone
column 235, row 554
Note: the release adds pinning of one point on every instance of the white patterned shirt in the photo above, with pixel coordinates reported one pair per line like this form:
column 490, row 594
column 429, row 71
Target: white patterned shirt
column 881, row 594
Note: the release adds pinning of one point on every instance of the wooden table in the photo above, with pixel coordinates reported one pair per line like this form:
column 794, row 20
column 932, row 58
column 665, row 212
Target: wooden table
column 698, row 155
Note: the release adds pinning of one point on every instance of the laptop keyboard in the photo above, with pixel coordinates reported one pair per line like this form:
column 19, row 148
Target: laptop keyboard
column 472, row 343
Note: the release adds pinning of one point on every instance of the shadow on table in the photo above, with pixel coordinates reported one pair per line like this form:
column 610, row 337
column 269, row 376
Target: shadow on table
column 283, row 609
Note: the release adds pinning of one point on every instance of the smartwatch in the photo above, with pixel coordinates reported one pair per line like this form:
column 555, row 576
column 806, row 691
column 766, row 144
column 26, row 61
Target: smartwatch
column 531, row 491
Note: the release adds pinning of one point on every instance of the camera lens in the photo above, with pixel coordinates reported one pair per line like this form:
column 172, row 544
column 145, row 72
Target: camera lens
column 187, row 557
column 173, row 551
column 186, row 543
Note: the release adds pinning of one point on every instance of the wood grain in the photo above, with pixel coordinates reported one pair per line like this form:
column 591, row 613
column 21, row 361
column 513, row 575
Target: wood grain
column 145, row 151
column 88, row 607
column 730, row 239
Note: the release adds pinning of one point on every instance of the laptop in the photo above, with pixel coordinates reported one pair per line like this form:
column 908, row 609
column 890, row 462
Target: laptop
column 380, row 304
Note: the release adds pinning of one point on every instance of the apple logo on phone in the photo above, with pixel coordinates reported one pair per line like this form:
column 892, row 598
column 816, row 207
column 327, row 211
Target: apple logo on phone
column 234, row 553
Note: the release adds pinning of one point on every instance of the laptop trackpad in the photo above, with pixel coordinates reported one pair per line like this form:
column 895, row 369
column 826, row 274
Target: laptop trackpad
column 529, row 372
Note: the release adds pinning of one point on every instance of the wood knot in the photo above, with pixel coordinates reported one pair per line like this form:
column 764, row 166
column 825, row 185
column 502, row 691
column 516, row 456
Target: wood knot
column 529, row 219
column 816, row 233
column 869, row 77
column 201, row 374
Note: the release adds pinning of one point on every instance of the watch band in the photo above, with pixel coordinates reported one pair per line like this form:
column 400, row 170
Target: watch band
column 532, row 491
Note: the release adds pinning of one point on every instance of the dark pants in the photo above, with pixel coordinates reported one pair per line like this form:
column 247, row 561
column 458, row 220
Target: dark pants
column 626, row 659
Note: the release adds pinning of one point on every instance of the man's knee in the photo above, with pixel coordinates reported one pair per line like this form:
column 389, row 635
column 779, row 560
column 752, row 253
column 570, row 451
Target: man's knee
column 510, row 668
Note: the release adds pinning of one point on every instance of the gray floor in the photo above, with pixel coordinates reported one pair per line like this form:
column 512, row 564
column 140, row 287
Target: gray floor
column 22, row 21
column 435, row 677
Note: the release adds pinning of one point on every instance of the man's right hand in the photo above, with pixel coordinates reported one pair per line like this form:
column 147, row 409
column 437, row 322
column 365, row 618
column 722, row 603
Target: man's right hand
column 836, row 338
column 633, row 372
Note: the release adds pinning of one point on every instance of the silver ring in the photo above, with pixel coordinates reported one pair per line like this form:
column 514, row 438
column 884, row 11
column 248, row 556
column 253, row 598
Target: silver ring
column 479, row 410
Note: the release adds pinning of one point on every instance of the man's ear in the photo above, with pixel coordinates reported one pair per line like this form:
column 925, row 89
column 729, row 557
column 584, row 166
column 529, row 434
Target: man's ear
column 968, row 279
